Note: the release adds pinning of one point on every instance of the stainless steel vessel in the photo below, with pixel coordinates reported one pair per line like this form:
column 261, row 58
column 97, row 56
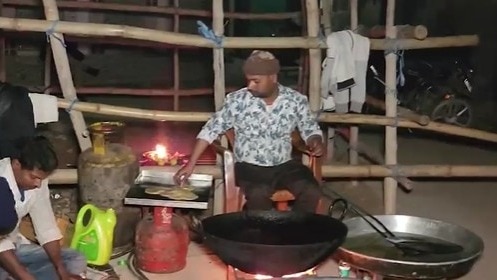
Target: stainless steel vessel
column 447, row 266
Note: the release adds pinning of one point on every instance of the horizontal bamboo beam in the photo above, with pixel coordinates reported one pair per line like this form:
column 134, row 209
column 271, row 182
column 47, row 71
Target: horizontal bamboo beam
column 418, row 32
column 70, row 176
column 150, row 9
column 134, row 91
column 123, row 31
column 156, row 115
column 116, row 41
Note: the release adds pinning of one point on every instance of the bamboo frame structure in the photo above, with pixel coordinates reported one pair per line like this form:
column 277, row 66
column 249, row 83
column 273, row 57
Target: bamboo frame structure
column 390, row 171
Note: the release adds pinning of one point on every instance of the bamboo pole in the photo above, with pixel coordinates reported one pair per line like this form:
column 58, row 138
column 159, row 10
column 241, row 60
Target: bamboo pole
column 418, row 32
column 312, row 17
column 327, row 8
column 123, row 31
column 152, row 10
column 219, row 89
column 176, row 70
column 70, row 176
column 354, row 130
column 103, row 40
column 64, row 73
column 390, row 185
column 134, row 91
column 119, row 111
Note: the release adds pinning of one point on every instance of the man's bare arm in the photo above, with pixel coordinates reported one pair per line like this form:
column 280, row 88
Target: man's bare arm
column 11, row 264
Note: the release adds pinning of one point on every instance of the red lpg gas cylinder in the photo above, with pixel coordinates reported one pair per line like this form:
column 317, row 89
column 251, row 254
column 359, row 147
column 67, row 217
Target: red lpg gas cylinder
column 162, row 242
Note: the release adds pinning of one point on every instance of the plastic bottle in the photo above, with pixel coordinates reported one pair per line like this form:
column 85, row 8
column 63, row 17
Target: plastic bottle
column 94, row 233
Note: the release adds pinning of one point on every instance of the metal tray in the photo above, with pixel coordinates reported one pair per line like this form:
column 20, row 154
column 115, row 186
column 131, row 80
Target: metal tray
column 201, row 183
column 148, row 178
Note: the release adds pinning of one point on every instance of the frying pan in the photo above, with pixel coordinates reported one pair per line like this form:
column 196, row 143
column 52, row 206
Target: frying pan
column 273, row 243
column 363, row 250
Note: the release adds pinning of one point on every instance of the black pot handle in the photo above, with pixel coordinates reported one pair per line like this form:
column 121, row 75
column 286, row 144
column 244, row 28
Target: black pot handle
column 343, row 211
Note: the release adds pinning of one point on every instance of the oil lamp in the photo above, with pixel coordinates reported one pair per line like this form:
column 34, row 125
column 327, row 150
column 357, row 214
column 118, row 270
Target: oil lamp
column 161, row 156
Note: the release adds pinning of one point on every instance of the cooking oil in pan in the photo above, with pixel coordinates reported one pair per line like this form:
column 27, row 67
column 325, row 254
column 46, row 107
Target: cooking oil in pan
column 374, row 245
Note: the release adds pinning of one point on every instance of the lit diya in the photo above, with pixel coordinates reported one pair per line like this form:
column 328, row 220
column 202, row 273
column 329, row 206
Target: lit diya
column 160, row 156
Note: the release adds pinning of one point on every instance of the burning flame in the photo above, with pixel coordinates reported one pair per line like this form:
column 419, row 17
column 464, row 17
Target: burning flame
column 160, row 156
column 296, row 275
column 161, row 151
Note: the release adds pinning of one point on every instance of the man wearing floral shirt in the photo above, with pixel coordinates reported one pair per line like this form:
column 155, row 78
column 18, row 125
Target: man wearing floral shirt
column 263, row 115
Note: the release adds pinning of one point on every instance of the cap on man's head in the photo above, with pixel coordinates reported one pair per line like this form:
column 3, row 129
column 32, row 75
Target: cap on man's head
column 261, row 63
column 8, row 214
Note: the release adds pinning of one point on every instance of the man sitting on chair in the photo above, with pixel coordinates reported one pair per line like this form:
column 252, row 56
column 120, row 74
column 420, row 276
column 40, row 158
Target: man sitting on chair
column 263, row 115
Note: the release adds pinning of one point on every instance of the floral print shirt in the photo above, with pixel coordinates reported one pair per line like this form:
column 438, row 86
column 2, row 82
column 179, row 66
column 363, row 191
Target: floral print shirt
column 262, row 132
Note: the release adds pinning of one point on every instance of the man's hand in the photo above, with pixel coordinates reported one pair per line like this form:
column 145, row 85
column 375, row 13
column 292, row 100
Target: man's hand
column 315, row 145
column 65, row 275
column 183, row 174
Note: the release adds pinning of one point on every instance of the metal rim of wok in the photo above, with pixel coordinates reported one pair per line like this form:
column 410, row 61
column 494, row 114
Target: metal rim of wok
column 353, row 256
column 273, row 259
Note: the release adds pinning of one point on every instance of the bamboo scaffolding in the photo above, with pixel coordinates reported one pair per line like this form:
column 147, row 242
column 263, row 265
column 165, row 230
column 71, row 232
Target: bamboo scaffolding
column 390, row 184
column 119, row 111
column 354, row 130
column 151, row 9
column 70, row 176
column 64, row 74
column 134, row 91
column 123, row 31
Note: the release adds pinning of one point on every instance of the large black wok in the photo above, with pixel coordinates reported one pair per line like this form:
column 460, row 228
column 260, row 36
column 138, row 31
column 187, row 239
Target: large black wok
column 273, row 242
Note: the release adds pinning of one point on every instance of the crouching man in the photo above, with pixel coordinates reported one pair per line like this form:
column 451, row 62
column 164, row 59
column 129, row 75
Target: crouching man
column 26, row 174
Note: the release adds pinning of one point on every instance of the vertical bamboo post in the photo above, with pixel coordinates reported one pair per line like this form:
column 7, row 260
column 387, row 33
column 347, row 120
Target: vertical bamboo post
column 327, row 7
column 176, row 73
column 64, row 74
column 354, row 130
column 390, row 185
column 219, row 88
column 312, row 8
column 326, row 17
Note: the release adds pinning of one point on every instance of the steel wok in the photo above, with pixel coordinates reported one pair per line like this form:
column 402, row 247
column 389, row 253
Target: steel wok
column 272, row 243
column 422, row 267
